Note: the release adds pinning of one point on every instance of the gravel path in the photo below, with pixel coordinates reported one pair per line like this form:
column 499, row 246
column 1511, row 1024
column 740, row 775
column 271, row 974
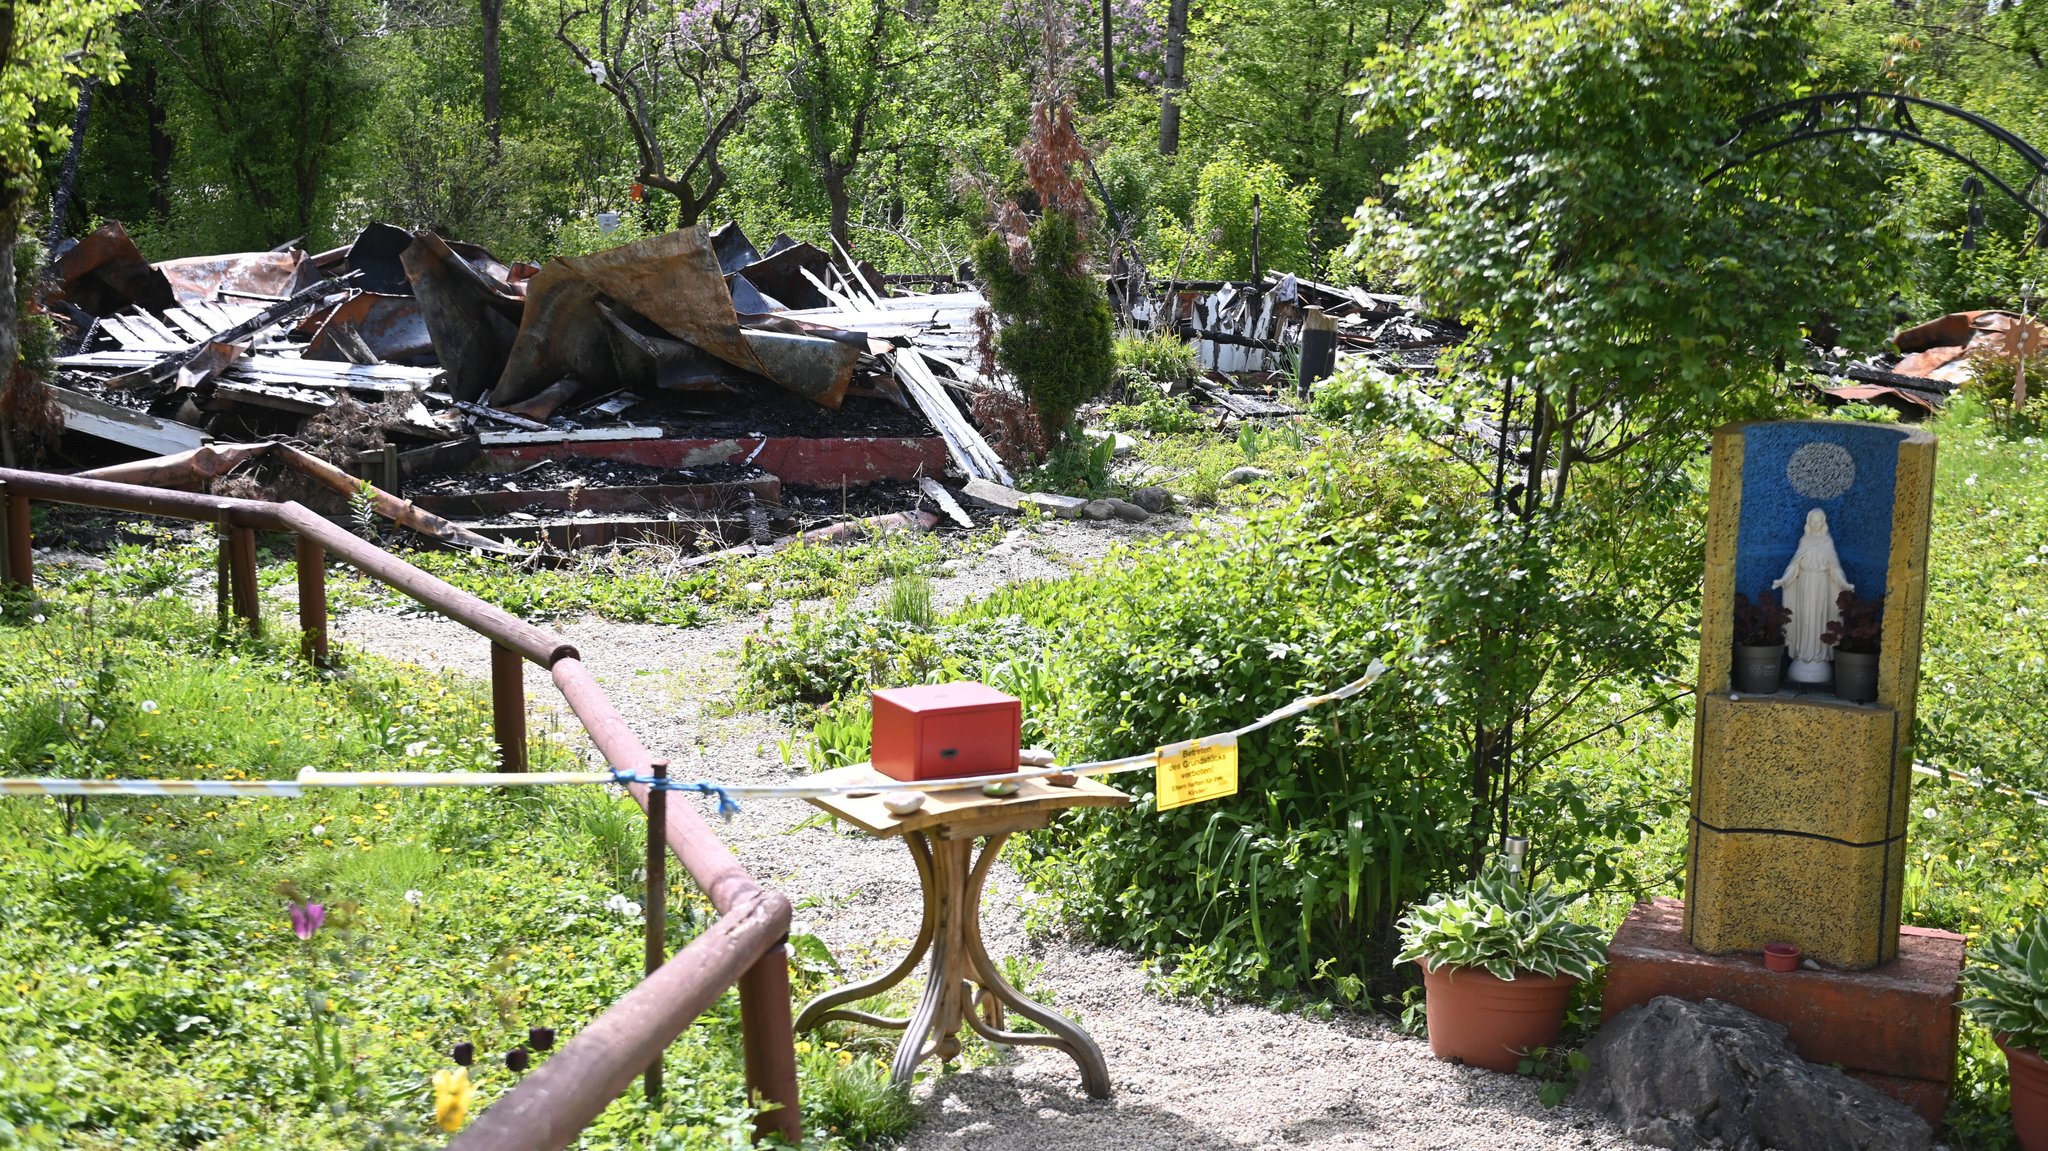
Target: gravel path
column 1185, row 1077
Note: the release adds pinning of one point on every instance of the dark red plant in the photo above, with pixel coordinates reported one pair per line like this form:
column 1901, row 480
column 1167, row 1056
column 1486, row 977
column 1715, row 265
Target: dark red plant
column 1861, row 626
column 1760, row 624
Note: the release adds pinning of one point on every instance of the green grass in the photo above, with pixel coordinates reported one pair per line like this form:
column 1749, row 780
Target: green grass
column 154, row 994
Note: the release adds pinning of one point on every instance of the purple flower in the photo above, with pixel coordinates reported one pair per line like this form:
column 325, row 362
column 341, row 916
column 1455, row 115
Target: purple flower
column 464, row 1053
column 307, row 918
column 541, row 1038
column 518, row 1059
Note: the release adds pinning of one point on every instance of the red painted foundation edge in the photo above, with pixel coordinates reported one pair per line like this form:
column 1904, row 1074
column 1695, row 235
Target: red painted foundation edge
column 1894, row 1026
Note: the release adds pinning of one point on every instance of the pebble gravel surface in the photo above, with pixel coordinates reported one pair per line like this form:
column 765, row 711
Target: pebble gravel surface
column 1186, row 1077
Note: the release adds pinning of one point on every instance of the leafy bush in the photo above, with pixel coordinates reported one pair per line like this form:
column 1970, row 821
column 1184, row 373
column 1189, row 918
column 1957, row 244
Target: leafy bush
column 2008, row 985
column 1497, row 923
column 1056, row 324
column 819, row 658
column 108, row 884
column 1161, row 415
column 1147, row 360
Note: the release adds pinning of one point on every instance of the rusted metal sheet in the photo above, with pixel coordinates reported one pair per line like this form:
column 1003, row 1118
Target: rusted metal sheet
column 1900, row 398
column 392, row 327
column 733, row 249
column 749, row 300
column 271, row 274
column 781, row 274
column 1927, row 361
column 644, row 357
column 673, row 281
column 816, row 368
column 378, row 253
column 473, row 320
column 104, row 272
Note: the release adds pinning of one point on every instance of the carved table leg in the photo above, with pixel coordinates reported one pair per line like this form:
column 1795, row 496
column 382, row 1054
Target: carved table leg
column 1066, row 1035
column 822, row 1008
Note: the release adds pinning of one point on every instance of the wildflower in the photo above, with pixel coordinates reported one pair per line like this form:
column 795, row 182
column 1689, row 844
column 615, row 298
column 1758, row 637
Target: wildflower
column 149, row 706
column 319, row 829
column 463, row 1053
column 518, row 1059
column 452, row 1093
column 307, row 918
column 415, row 896
column 622, row 907
column 542, row 1038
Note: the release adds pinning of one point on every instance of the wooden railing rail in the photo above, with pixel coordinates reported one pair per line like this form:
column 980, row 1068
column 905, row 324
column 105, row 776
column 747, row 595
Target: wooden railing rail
column 745, row 947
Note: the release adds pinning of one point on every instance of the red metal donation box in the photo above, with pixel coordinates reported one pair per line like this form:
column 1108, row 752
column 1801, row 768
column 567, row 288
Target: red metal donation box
column 945, row 731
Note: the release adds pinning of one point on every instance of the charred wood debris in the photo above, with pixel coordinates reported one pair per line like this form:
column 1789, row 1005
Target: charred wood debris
column 648, row 391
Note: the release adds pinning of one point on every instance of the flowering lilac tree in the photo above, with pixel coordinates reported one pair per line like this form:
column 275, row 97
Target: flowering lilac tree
column 1081, row 57
column 655, row 56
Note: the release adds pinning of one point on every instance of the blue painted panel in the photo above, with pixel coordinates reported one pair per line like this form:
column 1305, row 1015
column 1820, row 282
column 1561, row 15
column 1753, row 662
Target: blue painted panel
column 1774, row 509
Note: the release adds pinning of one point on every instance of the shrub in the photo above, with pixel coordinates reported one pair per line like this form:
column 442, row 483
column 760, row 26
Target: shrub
column 1056, row 333
column 1160, row 415
column 820, row 658
column 1216, row 241
column 1144, row 361
column 107, row 884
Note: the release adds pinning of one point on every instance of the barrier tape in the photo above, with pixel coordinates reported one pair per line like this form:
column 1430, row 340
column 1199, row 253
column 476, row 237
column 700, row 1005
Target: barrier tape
column 727, row 794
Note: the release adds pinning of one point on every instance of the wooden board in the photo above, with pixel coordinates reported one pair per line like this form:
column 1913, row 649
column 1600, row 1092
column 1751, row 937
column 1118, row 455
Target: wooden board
column 965, row 811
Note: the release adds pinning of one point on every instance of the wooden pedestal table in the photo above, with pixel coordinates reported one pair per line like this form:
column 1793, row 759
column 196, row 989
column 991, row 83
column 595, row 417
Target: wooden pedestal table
column 963, row 985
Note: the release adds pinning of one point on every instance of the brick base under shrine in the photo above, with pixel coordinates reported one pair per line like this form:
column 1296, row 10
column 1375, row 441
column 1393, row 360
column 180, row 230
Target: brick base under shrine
column 1894, row 1026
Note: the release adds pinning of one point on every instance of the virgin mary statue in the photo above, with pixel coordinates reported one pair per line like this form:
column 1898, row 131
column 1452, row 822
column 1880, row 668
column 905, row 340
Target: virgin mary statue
column 1812, row 582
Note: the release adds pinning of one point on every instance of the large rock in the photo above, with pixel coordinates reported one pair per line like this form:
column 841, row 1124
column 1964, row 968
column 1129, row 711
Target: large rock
column 1156, row 500
column 1128, row 512
column 1244, row 475
column 1684, row 1075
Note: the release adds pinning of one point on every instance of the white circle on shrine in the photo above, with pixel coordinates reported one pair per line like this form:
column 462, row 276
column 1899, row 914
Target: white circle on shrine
column 1821, row 471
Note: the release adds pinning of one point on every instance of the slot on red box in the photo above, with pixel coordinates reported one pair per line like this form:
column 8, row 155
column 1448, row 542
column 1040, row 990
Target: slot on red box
column 946, row 731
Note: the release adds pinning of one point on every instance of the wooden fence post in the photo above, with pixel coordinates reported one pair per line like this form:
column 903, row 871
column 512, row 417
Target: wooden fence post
column 21, row 562
column 656, row 898
column 768, row 1045
column 312, row 571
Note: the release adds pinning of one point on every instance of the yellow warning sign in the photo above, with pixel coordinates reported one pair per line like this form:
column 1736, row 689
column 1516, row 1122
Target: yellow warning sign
column 1196, row 770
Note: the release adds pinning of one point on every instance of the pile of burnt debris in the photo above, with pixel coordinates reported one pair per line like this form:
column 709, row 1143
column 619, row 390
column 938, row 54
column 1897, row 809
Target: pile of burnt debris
column 688, row 386
column 1930, row 361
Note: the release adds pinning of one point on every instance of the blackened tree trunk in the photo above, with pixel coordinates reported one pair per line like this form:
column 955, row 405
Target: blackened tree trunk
column 1176, row 76
column 493, row 12
column 1108, row 56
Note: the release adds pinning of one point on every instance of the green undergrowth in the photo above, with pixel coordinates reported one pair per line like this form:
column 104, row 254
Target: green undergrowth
column 650, row 585
column 154, row 993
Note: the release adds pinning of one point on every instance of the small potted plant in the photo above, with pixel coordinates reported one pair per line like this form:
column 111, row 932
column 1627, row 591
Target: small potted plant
column 1854, row 638
column 1759, row 643
column 1498, row 963
column 2007, row 986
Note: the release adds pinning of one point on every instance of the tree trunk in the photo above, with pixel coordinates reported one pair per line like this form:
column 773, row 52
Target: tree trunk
column 10, row 316
column 493, row 18
column 160, row 146
column 1176, row 77
column 1108, row 57
column 835, row 191
column 67, row 177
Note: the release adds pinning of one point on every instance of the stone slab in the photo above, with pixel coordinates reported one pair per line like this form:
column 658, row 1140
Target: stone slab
column 1052, row 504
column 1894, row 1027
column 1809, row 765
column 1837, row 902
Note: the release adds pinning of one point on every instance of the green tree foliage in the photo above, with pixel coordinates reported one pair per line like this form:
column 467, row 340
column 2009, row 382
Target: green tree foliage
column 48, row 48
column 1620, row 303
column 1217, row 241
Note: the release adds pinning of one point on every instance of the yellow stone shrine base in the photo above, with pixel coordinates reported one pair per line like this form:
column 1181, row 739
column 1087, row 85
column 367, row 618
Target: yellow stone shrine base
column 1838, row 903
column 1799, row 818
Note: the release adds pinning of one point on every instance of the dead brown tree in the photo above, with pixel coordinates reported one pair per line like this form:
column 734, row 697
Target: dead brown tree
column 648, row 53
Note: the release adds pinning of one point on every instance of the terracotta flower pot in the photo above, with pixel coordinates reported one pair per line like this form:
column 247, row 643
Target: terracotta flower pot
column 1856, row 676
column 1781, row 957
column 2029, row 1073
column 1759, row 670
column 1485, row 1021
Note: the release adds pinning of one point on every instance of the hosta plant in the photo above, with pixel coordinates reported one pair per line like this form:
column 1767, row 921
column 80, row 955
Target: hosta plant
column 1495, row 923
column 2008, row 986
